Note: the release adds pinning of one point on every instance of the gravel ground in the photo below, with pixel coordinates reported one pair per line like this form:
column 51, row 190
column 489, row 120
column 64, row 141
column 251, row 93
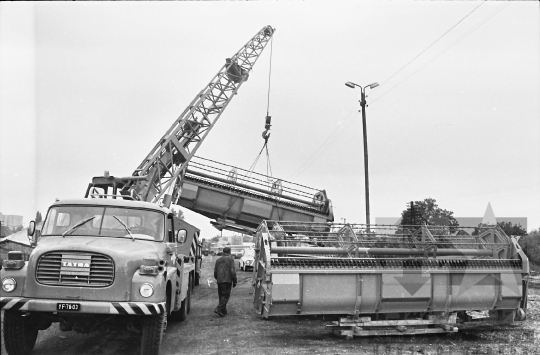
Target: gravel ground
column 244, row 332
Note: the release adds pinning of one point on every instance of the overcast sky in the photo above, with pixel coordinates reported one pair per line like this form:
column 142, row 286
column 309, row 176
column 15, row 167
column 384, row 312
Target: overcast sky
column 89, row 87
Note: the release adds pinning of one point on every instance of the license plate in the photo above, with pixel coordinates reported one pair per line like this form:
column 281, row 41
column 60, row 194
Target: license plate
column 68, row 306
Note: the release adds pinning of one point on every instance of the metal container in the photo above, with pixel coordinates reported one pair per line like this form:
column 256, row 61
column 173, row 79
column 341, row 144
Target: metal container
column 389, row 272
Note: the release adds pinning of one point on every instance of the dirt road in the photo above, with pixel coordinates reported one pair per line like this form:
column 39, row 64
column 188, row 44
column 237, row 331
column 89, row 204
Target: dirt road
column 244, row 332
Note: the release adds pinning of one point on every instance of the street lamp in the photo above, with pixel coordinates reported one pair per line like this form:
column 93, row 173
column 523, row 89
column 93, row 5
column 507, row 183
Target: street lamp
column 363, row 106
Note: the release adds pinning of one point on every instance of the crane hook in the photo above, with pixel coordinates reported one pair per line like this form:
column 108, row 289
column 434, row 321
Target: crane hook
column 266, row 135
column 267, row 125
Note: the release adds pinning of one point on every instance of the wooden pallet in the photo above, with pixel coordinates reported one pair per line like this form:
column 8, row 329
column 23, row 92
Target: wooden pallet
column 364, row 326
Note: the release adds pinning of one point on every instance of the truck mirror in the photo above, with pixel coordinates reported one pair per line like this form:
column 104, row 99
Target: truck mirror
column 33, row 234
column 31, row 228
column 181, row 236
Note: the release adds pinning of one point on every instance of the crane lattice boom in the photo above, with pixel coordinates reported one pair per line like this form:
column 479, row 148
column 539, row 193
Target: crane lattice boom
column 158, row 176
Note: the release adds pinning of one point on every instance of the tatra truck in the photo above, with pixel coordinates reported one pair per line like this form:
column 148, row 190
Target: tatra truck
column 99, row 262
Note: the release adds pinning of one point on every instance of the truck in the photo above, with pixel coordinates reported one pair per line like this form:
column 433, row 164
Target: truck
column 216, row 248
column 100, row 261
column 121, row 254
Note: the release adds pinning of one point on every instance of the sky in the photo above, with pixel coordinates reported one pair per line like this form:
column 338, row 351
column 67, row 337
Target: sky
column 92, row 86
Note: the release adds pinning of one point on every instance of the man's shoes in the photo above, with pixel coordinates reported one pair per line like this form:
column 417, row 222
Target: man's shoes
column 219, row 313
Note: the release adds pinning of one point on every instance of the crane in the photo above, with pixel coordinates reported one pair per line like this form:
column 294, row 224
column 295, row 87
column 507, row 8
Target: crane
column 158, row 178
column 235, row 202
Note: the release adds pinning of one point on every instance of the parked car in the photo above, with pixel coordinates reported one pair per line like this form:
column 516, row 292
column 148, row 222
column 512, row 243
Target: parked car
column 216, row 249
column 247, row 260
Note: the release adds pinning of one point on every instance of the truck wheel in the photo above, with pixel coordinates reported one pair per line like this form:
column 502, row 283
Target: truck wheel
column 152, row 334
column 181, row 314
column 19, row 337
column 186, row 303
column 188, row 297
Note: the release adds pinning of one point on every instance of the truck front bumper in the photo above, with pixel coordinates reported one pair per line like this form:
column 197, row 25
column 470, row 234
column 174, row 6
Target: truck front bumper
column 44, row 305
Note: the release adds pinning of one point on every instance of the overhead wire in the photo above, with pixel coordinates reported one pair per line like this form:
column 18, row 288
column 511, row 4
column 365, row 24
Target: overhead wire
column 487, row 18
column 332, row 137
column 431, row 45
column 329, row 140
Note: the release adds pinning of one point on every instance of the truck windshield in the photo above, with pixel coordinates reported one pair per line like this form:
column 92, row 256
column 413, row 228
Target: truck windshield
column 104, row 222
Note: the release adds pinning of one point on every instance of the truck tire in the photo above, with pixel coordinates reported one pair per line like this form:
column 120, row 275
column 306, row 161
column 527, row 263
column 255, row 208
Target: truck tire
column 152, row 334
column 186, row 304
column 181, row 314
column 19, row 337
column 188, row 298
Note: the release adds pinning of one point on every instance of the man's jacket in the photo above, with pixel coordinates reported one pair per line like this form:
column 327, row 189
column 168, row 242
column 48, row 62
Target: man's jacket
column 224, row 270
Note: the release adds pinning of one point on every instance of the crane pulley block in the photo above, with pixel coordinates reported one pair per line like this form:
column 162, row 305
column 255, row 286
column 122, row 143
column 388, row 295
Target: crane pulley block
column 235, row 72
column 267, row 122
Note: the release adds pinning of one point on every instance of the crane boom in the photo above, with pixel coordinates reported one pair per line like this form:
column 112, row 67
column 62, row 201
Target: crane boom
column 235, row 199
column 158, row 177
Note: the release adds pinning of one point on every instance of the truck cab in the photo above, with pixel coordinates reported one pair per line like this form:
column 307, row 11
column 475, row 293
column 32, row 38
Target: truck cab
column 100, row 260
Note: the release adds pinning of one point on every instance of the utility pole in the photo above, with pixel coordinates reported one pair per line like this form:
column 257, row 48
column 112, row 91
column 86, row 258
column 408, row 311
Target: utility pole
column 366, row 172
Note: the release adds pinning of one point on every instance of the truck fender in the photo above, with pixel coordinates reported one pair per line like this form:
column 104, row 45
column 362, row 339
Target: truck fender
column 158, row 282
column 19, row 275
column 174, row 276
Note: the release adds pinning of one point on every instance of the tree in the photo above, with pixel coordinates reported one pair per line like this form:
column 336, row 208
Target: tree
column 179, row 213
column 512, row 229
column 39, row 218
column 530, row 244
column 508, row 228
column 429, row 212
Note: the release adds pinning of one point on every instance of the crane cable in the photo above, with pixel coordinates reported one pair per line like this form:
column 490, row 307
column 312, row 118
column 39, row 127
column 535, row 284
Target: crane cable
column 266, row 133
column 269, row 77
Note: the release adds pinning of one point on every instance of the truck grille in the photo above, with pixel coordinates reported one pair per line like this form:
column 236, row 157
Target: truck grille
column 71, row 268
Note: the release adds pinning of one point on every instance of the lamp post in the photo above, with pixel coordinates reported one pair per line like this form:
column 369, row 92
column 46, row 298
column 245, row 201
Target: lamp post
column 363, row 106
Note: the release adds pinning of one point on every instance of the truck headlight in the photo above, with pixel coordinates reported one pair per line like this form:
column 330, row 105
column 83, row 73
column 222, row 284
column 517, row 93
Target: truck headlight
column 9, row 284
column 146, row 290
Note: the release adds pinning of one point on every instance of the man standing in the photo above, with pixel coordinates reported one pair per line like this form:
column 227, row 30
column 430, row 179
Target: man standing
column 225, row 274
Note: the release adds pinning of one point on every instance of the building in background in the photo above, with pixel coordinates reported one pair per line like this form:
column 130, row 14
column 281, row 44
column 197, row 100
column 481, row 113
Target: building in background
column 16, row 241
column 11, row 221
column 5, row 231
column 235, row 240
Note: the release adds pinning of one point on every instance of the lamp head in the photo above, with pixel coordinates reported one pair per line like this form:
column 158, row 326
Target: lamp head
column 349, row 84
column 374, row 85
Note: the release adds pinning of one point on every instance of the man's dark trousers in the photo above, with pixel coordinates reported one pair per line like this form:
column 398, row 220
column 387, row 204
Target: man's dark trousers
column 225, row 275
column 224, row 292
